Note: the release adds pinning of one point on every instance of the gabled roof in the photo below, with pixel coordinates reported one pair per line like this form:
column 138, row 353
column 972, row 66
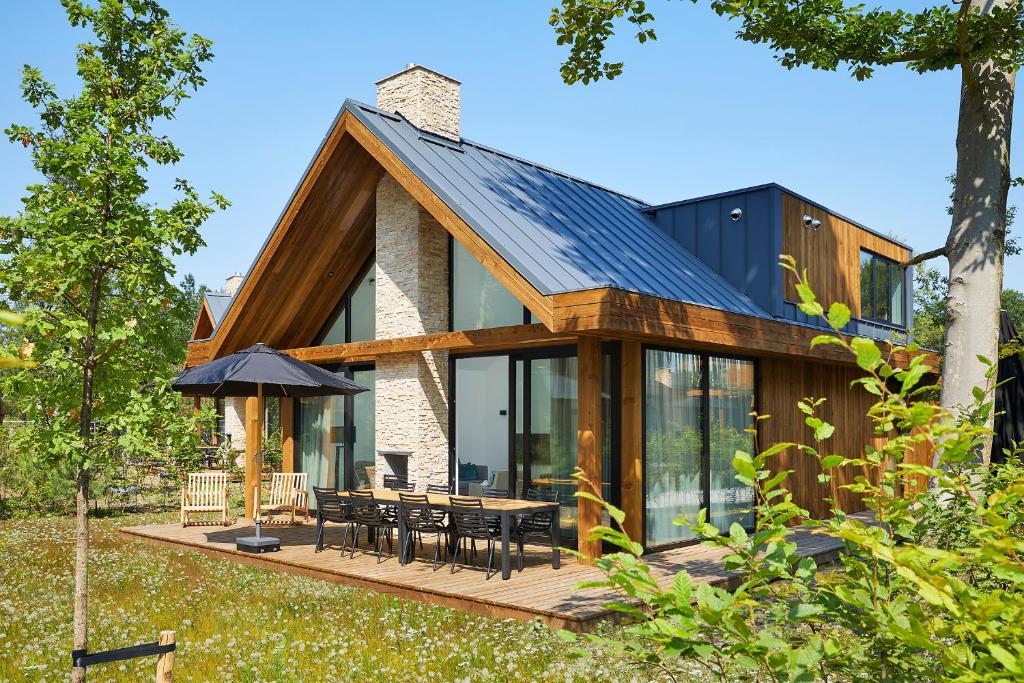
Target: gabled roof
column 218, row 303
column 560, row 233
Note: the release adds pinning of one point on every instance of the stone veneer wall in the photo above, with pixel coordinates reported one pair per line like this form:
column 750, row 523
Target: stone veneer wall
column 411, row 408
column 430, row 100
column 234, row 422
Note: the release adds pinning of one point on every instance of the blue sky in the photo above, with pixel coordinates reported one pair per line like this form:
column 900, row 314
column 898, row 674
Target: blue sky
column 696, row 112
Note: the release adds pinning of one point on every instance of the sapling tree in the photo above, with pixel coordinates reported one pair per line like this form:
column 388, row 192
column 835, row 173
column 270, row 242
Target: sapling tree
column 88, row 258
column 983, row 40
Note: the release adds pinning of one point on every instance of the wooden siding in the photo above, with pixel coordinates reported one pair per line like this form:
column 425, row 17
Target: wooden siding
column 783, row 382
column 830, row 254
column 203, row 327
column 287, row 435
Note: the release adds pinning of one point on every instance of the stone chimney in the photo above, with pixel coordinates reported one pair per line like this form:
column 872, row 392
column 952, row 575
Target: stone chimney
column 430, row 100
column 232, row 283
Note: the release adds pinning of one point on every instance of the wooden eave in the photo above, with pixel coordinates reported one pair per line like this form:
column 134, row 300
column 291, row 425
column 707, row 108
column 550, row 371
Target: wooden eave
column 321, row 239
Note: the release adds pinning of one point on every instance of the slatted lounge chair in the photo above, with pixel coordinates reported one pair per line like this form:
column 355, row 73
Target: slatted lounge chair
column 205, row 492
column 287, row 494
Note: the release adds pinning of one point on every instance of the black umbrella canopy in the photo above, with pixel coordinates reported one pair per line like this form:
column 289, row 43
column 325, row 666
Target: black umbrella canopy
column 1009, row 426
column 242, row 373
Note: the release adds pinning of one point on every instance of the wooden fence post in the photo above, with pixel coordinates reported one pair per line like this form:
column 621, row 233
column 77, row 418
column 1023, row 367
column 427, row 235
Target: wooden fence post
column 165, row 662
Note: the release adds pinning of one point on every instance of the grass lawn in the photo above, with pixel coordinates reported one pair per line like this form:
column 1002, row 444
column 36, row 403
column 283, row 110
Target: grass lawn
column 238, row 623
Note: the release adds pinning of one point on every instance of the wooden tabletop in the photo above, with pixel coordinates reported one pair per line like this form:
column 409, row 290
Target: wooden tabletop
column 442, row 501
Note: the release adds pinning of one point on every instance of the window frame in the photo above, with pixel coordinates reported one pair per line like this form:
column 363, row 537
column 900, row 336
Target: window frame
column 705, row 419
column 894, row 282
column 344, row 305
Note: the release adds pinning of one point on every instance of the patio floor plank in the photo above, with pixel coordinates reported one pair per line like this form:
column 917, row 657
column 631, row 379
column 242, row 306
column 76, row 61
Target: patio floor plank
column 539, row 591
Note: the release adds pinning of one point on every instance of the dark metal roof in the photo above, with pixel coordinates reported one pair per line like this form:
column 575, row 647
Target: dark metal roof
column 561, row 233
column 218, row 303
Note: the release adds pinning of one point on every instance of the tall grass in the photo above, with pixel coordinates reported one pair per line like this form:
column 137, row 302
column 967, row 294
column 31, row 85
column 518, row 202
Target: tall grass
column 238, row 623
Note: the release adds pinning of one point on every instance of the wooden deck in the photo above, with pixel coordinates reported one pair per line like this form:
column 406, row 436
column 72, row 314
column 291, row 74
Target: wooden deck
column 539, row 591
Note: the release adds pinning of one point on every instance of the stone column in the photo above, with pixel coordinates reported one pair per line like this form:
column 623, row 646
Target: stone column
column 411, row 410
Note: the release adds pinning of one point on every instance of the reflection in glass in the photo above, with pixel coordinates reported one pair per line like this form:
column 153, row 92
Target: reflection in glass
column 321, row 426
column 336, row 335
column 731, row 402
column 674, row 442
column 363, row 300
column 481, row 424
column 478, row 300
column 364, row 448
column 553, row 438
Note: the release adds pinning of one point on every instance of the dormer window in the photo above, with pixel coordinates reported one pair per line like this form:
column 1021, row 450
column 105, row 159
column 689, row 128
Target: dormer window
column 881, row 289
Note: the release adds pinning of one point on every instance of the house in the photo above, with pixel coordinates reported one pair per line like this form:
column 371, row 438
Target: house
column 513, row 322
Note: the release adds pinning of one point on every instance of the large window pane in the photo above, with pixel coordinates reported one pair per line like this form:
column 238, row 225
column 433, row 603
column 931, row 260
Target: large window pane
column 896, row 304
column 337, row 333
column 362, row 306
column 478, row 299
column 674, row 442
column 481, row 424
column 321, row 422
column 553, row 439
column 364, row 449
column 731, row 400
column 867, row 295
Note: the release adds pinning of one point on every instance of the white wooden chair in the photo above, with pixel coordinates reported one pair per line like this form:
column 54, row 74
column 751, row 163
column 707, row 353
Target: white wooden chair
column 205, row 492
column 287, row 494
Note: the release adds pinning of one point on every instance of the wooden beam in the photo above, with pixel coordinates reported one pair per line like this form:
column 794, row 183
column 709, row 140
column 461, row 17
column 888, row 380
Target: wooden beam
column 253, row 425
column 632, row 437
column 510, row 337
column 588, row 382
column 287, row 435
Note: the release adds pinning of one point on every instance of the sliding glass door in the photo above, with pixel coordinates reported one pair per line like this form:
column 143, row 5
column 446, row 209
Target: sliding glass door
column 515, row 426
column 335, row 436
column 697, row 409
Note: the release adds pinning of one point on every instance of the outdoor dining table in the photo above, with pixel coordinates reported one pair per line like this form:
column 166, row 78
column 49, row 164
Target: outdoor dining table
column 505, row 508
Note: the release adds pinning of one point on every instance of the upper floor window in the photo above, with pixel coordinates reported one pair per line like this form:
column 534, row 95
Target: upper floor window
column 356, row 316
column 478, row 300
column 881, row 289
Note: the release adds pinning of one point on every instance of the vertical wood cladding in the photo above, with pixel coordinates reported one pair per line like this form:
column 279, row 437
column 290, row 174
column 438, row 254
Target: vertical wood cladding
column 785, row 381
column 830, row 254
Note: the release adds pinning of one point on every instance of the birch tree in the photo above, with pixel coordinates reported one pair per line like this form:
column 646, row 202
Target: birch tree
column 88, row 258
column 983, row 40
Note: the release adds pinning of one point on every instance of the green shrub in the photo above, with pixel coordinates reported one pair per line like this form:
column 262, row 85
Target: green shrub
column 932, row 591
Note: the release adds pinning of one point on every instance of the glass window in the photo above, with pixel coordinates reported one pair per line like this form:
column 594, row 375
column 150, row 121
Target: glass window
column 881, row 289
column 357, row 312
column 321, row 426
column 674, row 444
column 554, row 445
column 478, row 300
column 481, row 424
column 731, row 401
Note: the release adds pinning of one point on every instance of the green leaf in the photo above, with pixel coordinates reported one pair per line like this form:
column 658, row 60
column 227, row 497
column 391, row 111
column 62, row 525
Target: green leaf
column 838, row 315
column 869, row 356
column 830, row 461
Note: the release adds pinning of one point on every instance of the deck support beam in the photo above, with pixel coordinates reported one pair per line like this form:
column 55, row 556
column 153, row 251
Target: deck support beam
column 287, row 435
column 591, row 360
column 632, row 436
column 253, row 427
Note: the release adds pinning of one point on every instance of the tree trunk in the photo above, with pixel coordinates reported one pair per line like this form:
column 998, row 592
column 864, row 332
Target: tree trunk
column 81, row 569
column 976, row 237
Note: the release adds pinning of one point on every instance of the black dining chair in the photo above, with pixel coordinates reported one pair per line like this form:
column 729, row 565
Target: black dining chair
column 398, row 482
column 536, row 525
column 422, row 518
column 443, row 489
column 330, row 507
column 494, row 520
column 368, row 513
column 471, row 524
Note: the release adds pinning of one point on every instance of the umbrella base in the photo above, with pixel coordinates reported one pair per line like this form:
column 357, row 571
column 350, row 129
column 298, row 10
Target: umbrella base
column 258, row 544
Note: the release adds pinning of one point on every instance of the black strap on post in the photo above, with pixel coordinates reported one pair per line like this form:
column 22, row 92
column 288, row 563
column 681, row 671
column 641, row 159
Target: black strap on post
column 81, row 658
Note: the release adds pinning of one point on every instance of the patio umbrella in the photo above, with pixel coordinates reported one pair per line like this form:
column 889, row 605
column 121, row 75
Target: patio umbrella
column 262, row 371
column 1009, row 426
